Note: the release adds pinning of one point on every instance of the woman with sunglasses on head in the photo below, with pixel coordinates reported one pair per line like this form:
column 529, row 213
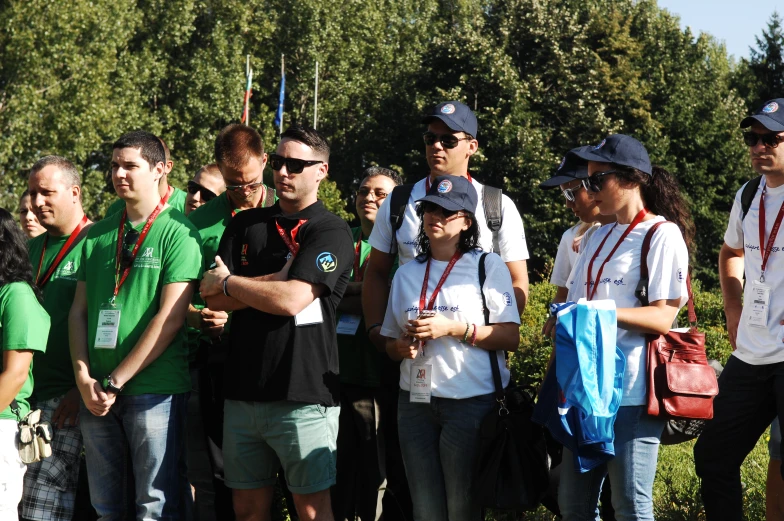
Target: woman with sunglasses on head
column 24, row 328
column 623, row 183
column 435, row 324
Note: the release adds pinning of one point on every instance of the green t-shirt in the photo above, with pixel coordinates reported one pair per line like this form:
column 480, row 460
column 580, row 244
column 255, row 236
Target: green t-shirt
column 176, row 200
column 170, row 253
column 24, row 324
column 53, row 371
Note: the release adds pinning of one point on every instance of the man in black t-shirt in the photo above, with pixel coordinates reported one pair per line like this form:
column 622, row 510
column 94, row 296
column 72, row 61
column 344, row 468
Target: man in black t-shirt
column 283, row 271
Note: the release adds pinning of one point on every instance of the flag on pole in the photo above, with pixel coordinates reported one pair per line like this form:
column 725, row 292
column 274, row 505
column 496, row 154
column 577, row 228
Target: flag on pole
column 281, row 97
column 246, row 105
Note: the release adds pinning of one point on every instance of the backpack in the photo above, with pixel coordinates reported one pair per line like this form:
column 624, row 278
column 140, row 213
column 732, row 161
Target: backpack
column 747, row 196
column 491, row 202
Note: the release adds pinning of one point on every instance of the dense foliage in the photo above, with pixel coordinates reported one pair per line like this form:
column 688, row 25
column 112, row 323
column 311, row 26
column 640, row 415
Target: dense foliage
column 543, row 75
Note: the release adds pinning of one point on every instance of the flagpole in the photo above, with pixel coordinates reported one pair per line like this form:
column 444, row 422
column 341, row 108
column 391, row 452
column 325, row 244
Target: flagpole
column 282, row 75
column 315, row 101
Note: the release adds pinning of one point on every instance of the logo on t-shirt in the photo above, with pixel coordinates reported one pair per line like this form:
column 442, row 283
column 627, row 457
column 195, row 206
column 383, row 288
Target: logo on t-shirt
column 244, row 255
column 444, row 186
column 148, row 259
column 147, row 253
column 680, row 275
column 326, row 262
column 507, row 298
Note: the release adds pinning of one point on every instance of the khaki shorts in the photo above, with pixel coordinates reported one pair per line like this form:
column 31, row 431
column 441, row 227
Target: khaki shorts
column 260, row 437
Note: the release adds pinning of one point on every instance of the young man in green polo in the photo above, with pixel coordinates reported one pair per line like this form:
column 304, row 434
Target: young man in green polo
column 127, row 340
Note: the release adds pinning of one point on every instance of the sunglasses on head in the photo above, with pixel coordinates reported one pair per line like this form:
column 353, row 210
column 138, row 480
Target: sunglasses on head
column 446, row 140
column 126, row 257
column 594, row 182
column 206, row 194
column 428, row 207
column 771, row 139
column 293, row 165
column 568, row 193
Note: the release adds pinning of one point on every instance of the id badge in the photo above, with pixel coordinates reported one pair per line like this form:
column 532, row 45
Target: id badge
column 108, row 326
column 760, row 305
column 348, row 324
column 310, row 315
column 421, row 380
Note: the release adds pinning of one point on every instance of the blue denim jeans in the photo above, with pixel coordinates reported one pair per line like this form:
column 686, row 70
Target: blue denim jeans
column 134, row 457
column 439, row 442
column 631, row 472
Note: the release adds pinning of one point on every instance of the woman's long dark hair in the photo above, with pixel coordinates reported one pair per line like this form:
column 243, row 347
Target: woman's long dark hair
column 469, row 239
column 662, row 196
column 14, row 259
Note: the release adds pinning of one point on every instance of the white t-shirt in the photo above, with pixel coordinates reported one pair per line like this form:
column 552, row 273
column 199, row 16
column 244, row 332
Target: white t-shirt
column 668, row 265
column 459, row 370
column 756, row 345
column 566, row 257
column 511, row 236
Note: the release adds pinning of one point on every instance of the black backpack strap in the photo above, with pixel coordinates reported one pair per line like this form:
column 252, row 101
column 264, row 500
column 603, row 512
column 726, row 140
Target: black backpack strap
column 499, row 389
column 747, row 196
column 398, row 201
column 642, row 287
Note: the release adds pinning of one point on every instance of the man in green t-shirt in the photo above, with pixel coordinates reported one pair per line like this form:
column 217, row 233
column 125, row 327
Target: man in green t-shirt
column 240, row 156
column 127, row 341
column 55, row 192
column 176, row 196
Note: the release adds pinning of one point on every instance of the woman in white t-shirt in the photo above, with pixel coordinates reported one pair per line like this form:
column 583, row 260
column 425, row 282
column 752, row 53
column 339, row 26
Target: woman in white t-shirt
column 623, row 183
column 445, row 376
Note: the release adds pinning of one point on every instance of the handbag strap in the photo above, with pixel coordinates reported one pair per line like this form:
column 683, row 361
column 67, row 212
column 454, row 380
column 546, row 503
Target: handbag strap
column 646, row 246
column 499, row 389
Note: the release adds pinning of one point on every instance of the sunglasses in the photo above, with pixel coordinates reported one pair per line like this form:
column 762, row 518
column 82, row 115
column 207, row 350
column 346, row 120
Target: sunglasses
column 378, row 194
column 293, row 165
column 568, row 193
column 206, row 194
column 126, row 258
column 594, row 182
column 771, row 139
column 449, row 215
column 251, row 187
column 448, row 141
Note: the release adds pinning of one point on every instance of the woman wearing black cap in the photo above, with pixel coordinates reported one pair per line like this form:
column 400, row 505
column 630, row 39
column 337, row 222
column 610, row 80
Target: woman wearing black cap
column 435, row 324
column 623, row 183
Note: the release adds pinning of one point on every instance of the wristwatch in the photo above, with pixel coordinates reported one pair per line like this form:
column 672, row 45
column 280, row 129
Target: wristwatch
column 108, row 385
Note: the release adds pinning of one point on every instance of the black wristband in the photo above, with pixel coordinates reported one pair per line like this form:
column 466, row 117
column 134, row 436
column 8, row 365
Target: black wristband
column 372, row 327
column 226, row 286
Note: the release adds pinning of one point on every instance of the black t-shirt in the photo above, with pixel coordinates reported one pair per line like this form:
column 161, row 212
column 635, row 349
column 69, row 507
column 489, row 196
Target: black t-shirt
column 270, row 358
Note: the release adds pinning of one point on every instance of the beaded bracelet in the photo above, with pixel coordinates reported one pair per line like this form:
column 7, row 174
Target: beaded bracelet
column 473, row 337
column 465, row 335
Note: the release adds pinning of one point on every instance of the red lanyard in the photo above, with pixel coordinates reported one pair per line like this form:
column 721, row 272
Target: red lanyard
column 593, row 285
column 290, row 241
column 765, row 251
column 119, row 280
column 57, row 260
column 261, row 201
column 359, row 272
column 427, row 181
column 447, row 271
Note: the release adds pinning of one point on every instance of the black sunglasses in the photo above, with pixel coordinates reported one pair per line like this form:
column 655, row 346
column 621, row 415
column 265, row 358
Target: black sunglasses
column 206, row 194
column 594, row 182
column 126, row 259
column 293, row 165
column 447, row 140
column 771, row 139
column 428, row 207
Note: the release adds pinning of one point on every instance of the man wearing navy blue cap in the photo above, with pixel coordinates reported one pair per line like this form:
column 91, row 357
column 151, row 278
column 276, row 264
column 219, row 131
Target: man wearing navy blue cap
column 450, row 141
column 751, row 388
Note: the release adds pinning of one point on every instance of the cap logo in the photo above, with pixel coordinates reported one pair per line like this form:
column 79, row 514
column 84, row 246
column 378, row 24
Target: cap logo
column 563, row 162
column 600, row 145
column 444, row 186
column 448, row 109
column 770, row 107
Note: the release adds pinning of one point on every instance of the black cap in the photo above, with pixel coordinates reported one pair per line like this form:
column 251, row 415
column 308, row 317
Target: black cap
column 456, row 115
column 618, row 149
column 571, row 168
column 770, row 116
column 453, row 193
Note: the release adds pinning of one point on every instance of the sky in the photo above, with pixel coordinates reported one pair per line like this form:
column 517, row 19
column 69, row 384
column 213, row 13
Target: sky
column 736, row 22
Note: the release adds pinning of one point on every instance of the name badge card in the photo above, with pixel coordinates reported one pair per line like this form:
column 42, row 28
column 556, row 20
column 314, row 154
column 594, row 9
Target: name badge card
column 760, row 305
column 421, row 380
column 108, row 326
column 348, row 324
column 310, row 315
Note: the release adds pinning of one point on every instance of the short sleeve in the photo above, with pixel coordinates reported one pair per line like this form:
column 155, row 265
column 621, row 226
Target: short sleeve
column 563, row 261
column 734, row 234
column 499, row 292
column 511, row 237
column 382, row 234
column 25, row 323
column 668, row 265
column 324, row 257
column 183, row 261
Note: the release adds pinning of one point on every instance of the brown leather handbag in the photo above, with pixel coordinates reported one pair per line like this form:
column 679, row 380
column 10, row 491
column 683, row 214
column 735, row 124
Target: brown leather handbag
column 681, row 384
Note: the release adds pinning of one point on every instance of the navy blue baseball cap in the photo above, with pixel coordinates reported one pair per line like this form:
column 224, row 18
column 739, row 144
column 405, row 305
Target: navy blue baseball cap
column 457, row 116
column 571, row 168
column 770, row 116
column 618, row 149
column 453, row 193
